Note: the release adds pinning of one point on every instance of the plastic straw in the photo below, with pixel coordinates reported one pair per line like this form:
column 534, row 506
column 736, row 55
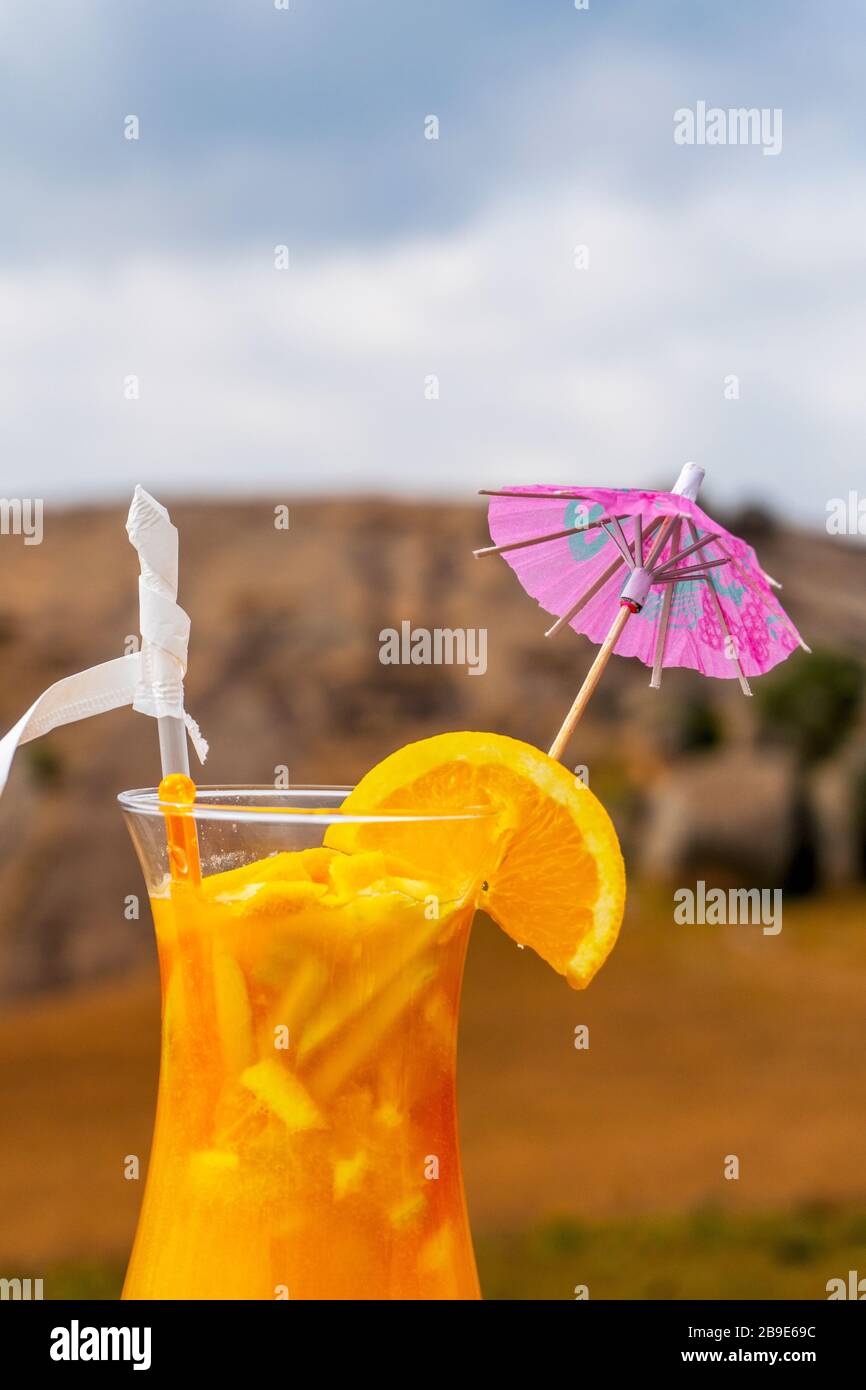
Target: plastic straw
column 173, row 749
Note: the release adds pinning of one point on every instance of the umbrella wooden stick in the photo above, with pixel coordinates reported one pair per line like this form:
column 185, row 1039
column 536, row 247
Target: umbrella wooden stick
column 593, row 676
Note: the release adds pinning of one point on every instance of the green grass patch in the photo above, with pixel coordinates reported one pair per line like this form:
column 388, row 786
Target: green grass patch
column 705, row 1254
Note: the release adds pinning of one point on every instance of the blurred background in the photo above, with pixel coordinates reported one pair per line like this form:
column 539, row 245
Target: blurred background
column 436, row 330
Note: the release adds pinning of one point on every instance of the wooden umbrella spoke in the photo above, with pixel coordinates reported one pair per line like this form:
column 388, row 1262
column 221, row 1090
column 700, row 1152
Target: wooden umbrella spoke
column 565, row 494
column 661, row 539
column 690, row 549
column 638, row 540
column 665, row 576
column 732, row 641
column 664, row 621
column 617, row 535
column 723, row 620
column 540, row 540
column 749, row 582
column 756, row 589
column 594, row 588
column 585, row 597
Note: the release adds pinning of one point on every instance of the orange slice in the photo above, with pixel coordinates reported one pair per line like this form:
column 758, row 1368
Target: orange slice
column 542, row 857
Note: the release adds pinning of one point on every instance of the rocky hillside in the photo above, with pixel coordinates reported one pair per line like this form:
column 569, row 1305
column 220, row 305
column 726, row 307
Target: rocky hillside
column 285, row 670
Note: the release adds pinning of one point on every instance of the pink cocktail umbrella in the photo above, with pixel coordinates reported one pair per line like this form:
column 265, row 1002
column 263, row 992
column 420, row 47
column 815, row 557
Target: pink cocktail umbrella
column 645, row 574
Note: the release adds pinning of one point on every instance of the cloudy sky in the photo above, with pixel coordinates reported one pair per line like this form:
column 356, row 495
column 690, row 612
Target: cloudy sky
column 413, row 258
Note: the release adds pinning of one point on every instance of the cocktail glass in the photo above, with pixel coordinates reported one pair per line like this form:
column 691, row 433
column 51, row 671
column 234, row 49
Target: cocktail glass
column 305, row 1143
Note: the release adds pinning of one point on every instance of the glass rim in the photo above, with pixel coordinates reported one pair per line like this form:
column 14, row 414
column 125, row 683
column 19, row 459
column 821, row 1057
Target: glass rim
column 144, row 801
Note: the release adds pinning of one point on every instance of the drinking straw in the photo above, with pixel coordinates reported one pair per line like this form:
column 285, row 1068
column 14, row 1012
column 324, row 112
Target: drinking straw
column 164, row 637
column 177, row 790
column 159, row 692
column 173, row 751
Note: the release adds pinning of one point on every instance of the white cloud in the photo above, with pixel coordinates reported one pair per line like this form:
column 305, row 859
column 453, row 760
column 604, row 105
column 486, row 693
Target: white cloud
column 312, row 379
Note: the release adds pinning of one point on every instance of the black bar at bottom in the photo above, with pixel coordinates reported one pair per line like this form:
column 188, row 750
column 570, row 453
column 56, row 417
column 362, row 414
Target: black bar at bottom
column 241, row 1338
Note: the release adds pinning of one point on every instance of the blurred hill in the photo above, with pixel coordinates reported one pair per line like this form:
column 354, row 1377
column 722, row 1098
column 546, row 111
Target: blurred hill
column 285, row 670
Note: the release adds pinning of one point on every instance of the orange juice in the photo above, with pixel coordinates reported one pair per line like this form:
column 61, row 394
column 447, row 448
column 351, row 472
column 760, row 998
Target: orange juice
column 305, row 1142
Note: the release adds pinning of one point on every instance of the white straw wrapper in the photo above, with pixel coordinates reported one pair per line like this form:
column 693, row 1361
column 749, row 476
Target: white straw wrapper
column 150, row 680
column 163, row 623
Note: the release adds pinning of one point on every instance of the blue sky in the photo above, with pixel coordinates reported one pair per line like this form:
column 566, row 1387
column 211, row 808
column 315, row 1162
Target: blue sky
column 412, row 258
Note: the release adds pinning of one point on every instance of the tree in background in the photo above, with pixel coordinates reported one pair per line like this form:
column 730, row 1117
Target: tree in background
column 812, row 705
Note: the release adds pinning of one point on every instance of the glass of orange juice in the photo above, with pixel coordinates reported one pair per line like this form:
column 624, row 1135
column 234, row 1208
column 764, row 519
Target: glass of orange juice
column 305, row 1143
